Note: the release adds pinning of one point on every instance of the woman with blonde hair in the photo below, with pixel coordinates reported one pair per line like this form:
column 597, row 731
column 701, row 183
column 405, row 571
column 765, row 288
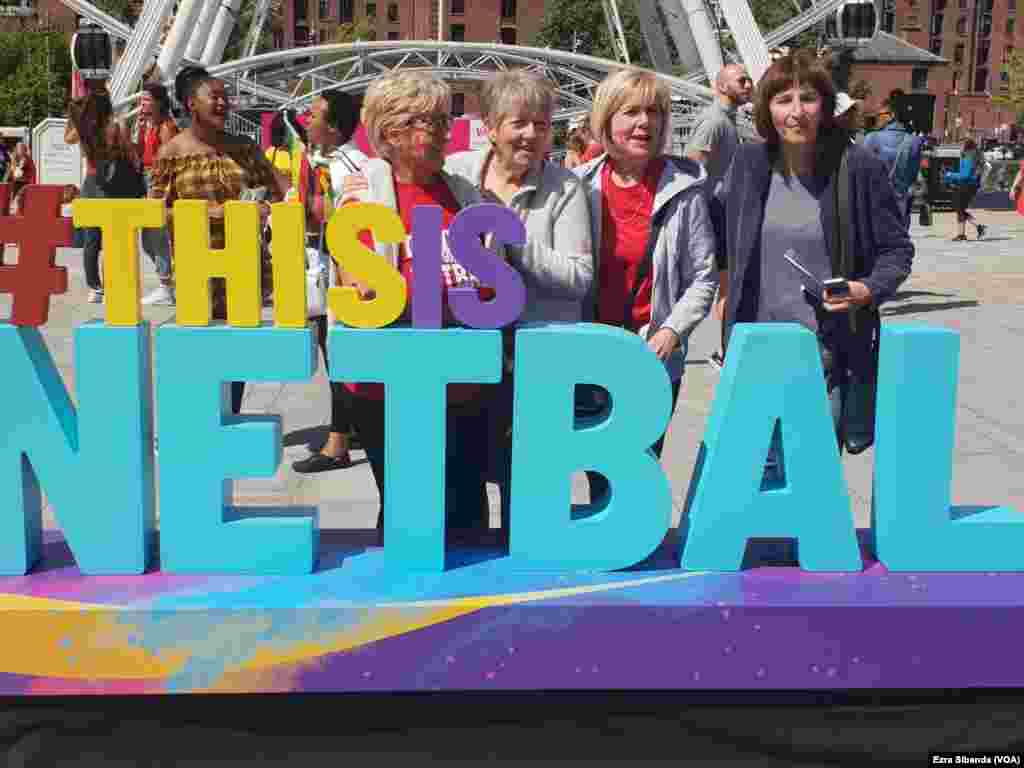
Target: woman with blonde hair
column 650, row 227
column 407, row 117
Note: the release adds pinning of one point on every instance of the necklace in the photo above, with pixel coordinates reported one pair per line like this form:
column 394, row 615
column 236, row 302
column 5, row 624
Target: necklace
column 641, row 203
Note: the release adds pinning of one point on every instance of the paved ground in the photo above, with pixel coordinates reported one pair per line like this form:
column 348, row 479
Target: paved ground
column 974, row 287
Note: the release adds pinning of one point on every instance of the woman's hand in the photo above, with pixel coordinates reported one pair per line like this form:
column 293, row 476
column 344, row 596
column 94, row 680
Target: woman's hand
column 366, row 293
column 663, row 343
column 859, row 296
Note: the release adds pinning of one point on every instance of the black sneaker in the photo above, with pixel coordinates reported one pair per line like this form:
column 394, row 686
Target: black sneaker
column 717, row 360
column 981, row 231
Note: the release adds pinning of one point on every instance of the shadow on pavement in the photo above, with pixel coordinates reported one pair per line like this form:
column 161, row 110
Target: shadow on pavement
column 921, row 308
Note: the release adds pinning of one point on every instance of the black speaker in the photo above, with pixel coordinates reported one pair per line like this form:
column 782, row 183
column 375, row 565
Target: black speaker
column 917, row 111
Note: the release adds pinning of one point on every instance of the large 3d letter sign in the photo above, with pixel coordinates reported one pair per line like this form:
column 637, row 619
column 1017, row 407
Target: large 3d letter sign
column 772, row 383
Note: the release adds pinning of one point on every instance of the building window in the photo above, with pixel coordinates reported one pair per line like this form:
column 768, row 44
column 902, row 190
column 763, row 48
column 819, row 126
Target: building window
column 392, row 35
column 1011, row 6
column 300, row 10
column 888, row 21
column 508, row 36
column 458, row 34
column 980, row 80
column 392, row 12
column 919, row 79
column 508, row 9
column 936, row 46
column 458, row 104
column 323, row 36
column 1007, row 54
column 937, row 24
column 458, row 7
column 985, row 30
column 371, row 10
column 958, row 54
column 963, row 4
column 1004, row 78
column 278, row 39
column 346, row 11
column 983, row 51
column 372, row 35
column 961, row 25
column 322, row 9
column 1011, row 26
column 940, row 5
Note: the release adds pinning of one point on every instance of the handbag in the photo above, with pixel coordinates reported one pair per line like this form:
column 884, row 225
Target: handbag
column 318, row 279
column 118, row 178
column 858, row 390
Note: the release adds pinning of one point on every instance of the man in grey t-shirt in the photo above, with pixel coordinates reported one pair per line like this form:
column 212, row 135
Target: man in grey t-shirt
column 713, row 143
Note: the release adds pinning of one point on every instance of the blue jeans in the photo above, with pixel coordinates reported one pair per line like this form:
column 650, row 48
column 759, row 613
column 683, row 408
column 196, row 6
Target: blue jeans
column 157, row 245
column 91, row 238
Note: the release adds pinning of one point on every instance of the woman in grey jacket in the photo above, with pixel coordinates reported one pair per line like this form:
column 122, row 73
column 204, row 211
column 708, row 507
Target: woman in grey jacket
column 650, row 228
column 556, row 263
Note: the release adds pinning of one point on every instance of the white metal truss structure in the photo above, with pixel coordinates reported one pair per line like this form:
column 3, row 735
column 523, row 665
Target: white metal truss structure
column 352, row 67
column 615, row 33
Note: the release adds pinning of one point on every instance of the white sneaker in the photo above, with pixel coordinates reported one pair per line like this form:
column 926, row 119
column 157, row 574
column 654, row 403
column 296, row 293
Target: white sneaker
column 162, row 296
column 95, row 296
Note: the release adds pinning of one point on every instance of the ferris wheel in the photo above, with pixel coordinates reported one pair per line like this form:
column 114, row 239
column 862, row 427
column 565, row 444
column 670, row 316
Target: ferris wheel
column 688, row 32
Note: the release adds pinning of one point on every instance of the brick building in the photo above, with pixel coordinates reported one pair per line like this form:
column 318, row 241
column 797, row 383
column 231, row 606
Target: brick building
column 18, row 15
column 976, row 37
column 890, row 62
column 512, row 22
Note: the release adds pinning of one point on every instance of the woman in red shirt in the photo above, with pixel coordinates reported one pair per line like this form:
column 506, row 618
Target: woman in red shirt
column 406, row 116
column 650, row 226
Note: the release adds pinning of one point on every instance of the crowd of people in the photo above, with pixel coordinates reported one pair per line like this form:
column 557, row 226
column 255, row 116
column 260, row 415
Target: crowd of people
column 623, row 234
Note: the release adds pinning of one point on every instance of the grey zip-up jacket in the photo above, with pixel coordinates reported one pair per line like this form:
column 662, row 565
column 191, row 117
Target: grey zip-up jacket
column 557, row 261
column 684, row 279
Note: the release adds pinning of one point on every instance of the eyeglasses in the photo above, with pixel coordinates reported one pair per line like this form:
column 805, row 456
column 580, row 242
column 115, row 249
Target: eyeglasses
column 429, row 122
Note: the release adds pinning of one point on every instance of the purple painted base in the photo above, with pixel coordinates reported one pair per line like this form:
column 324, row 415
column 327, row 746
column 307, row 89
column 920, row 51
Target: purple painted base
column 356, row 626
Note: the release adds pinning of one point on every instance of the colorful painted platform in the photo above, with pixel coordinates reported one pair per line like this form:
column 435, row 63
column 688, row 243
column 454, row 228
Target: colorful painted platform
column 350, row 626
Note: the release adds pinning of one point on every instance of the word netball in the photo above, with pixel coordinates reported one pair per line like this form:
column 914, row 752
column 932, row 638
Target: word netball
column 94, row 459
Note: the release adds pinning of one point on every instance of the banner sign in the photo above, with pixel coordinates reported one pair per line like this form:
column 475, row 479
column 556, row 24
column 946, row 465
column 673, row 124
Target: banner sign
column 773, row 376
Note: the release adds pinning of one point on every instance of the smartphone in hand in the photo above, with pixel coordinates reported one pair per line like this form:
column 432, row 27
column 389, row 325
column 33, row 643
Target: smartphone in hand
column 837, row 287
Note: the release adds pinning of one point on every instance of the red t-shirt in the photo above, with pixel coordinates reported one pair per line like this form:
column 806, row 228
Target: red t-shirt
column 408, row 197
column 625, row 227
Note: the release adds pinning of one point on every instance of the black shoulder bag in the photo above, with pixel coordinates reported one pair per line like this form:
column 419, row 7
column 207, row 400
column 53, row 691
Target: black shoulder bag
column 858, row 388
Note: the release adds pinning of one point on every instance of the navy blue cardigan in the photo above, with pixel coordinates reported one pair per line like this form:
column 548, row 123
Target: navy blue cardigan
column 878, row 239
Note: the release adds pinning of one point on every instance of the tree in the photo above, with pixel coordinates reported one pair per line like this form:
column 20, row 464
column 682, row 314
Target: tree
column 37, row 82
column 122, row 10
column 579, row 26
column 1012, row 97
column 772, row 14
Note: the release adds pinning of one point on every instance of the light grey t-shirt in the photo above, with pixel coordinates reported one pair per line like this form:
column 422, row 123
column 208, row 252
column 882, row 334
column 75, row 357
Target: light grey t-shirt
column 792, row 219
column 715, row 133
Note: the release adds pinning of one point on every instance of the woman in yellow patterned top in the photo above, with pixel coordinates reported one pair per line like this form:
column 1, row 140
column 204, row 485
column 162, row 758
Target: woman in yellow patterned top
column 203, row 162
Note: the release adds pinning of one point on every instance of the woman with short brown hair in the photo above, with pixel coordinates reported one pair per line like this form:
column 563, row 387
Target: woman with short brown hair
column 780, row 198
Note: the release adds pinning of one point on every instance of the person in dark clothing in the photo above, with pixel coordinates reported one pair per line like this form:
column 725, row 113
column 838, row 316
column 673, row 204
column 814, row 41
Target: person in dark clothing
column 779, row 196
column 965, row 182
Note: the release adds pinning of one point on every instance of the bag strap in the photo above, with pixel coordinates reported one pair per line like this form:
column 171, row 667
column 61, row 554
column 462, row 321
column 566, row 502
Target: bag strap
column 842, row 259
column 645, row 266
